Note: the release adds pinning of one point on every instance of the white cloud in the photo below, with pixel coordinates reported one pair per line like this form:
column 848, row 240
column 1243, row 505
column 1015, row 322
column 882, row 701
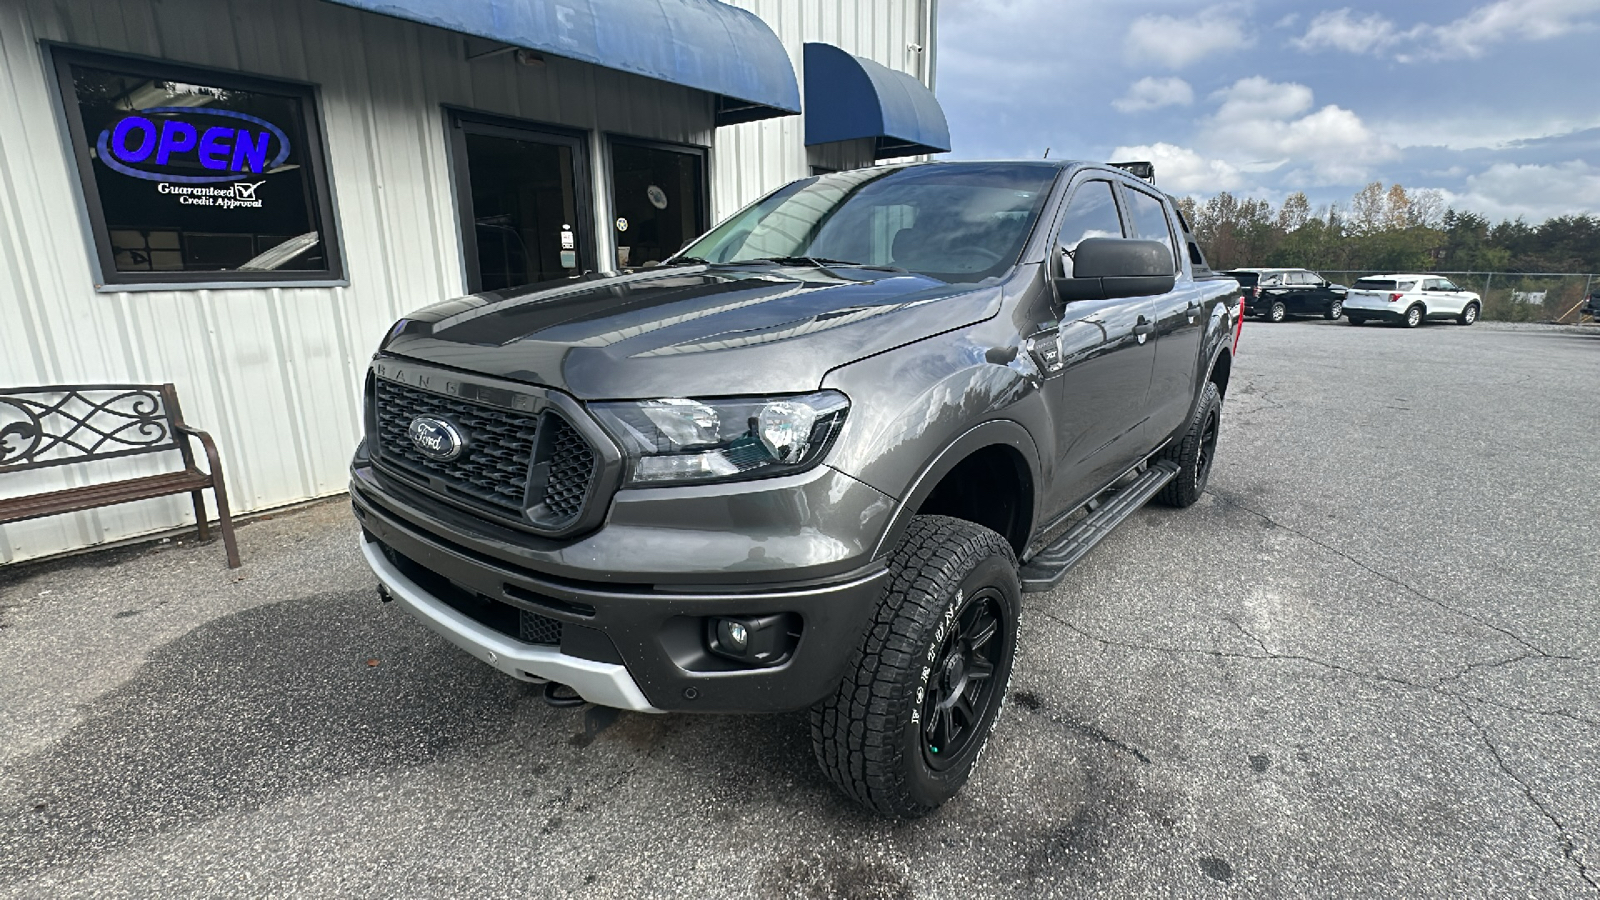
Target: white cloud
column 1263, row 126
column 1258, row 98
column 1507, row 190
column 1533, row 20
column 1176, row 43
column 1155, row 93
column 1343, row 29
column 1469, row 36
column 1181, row 170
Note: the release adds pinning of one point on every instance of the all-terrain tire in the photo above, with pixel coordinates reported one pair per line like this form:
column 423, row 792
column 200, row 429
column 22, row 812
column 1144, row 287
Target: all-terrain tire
column 1194, row 452
column 872, row 737
column 1469, row 314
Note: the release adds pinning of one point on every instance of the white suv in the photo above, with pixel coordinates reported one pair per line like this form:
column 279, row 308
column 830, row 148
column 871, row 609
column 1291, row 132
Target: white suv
column 1409, row 299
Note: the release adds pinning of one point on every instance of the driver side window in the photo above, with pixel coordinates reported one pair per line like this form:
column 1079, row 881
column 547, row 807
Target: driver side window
column 1091, row 213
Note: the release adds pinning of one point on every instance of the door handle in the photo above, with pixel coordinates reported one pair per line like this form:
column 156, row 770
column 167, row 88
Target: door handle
column 1144, row 327
column 1194, row 304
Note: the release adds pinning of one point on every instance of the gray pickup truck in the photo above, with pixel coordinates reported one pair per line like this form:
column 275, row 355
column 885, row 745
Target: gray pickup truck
column 813, row 461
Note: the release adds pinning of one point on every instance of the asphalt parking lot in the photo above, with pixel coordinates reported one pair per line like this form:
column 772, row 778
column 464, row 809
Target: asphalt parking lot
column 1366, row 664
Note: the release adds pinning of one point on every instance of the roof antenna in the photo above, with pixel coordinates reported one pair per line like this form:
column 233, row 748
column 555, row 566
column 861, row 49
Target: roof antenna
column 1047, row 153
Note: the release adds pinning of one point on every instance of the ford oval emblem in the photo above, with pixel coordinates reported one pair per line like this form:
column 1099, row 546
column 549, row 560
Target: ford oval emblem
column 436, row 438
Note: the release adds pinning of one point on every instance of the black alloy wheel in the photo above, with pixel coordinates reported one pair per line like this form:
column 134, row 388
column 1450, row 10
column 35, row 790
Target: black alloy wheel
column 1335, row 310
column 1278, row 312
column 926, row 683
column 1194, row 452
column 961, row 685
column 1413, row 317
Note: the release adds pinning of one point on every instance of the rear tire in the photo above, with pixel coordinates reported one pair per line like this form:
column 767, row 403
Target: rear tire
column 925, row 685
column 1194, row 452
column 1358, row 320
column 1413, row 317
column 1468, row 315
column 1334, row 310
column 1277, row 312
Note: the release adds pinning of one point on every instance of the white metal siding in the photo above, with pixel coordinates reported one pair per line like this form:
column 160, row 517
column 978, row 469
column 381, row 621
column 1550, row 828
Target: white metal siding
column 274, row 373
column 758, row 156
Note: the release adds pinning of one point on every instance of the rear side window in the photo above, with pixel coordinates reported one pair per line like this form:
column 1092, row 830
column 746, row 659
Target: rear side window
column 1246, row 279
column 1376, row 284
column 1408, row 285
column 1149, row 217
column 1091, row 213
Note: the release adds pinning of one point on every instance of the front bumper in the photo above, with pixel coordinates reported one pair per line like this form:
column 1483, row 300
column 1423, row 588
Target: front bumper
column 632, row 646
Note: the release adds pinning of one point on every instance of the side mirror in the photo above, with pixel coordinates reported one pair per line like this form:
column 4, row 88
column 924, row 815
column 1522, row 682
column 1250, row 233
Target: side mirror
column 1112, row 268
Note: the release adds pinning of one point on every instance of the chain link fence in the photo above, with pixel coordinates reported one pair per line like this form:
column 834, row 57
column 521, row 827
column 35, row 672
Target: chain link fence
column 1513, row 296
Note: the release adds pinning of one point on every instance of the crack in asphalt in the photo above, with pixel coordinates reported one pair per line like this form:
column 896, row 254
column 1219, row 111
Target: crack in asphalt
column 1569, row 849
column 1268, row 654
column 1537, row 650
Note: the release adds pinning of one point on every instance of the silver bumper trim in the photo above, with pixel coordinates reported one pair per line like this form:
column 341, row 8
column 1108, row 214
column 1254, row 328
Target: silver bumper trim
column 604, row 684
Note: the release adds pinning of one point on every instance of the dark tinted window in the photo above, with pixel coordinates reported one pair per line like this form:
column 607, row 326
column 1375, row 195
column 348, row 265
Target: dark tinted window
column 189, row 172
column 658, row 201
column 961, row 222
column 1149, row 217
column 1091, row 213
column 1246, row 279
column 1375, row 284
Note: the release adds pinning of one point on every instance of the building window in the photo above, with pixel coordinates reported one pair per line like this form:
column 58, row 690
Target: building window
column 198, row 176
column 658, row 198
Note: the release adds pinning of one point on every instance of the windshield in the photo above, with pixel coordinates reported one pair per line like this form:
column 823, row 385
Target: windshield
column 951, row 222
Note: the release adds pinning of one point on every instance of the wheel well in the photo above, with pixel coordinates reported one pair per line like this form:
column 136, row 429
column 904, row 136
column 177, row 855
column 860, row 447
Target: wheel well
column 1221, row 370
column 991, row 488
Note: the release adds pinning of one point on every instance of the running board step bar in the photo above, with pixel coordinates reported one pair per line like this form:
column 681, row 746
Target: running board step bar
column 1047, row 567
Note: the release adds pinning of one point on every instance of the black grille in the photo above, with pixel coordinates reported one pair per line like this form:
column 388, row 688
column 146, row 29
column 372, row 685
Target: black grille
column 571, row 469
column 533, row 628
column 501, row 445
column 494, row 467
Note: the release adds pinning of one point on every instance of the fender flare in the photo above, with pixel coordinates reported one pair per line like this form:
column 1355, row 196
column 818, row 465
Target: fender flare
column 1002, row 432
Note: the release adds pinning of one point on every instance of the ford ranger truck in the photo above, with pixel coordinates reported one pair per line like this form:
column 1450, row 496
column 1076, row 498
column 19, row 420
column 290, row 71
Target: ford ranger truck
column 811, row 462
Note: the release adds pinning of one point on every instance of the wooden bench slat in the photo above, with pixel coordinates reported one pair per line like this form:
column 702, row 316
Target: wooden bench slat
column 32, row 506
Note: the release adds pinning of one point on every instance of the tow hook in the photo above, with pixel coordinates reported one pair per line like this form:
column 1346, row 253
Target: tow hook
column 562, row 697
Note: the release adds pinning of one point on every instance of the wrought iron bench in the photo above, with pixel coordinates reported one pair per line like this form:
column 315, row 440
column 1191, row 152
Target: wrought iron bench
column 60, row 425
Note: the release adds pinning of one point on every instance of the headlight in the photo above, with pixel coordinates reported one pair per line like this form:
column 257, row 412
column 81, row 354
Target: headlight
column 678, row 441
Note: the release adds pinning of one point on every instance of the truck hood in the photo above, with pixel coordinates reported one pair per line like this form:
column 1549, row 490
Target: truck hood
column 688, row 331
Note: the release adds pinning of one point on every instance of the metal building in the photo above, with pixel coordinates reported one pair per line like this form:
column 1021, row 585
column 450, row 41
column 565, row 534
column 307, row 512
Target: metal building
column 240, row 198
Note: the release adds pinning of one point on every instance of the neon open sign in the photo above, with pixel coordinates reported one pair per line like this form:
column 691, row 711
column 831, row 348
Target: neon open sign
column 135, row 143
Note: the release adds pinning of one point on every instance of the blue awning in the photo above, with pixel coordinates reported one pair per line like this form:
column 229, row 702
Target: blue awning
column 701, row 44
column 848, row 98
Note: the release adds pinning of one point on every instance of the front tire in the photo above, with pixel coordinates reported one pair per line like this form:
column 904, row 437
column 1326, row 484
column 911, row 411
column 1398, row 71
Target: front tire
column 926, row 683
column 1334, row 310
column 1195, row 452
column 1413, row 317
column 1468, row 315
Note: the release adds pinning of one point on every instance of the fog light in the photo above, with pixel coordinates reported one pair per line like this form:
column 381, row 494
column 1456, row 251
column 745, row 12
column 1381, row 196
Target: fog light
column 754, row 640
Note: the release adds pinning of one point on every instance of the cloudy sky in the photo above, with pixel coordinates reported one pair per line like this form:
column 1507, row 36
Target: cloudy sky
column 1494, row 102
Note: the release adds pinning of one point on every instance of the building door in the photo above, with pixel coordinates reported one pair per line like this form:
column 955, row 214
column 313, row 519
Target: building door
column 658, row 199
column 524, row 199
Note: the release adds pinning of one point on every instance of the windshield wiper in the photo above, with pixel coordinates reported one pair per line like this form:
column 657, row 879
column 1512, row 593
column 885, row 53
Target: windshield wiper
column 821, row 262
